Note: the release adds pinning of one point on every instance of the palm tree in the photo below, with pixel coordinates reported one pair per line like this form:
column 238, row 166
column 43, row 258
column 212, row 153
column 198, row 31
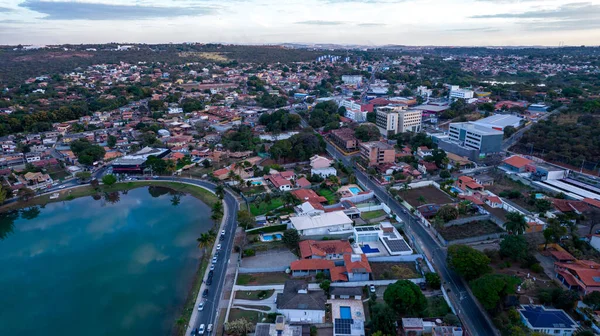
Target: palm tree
column 288, row 199
column 515, row 223
column 421, row 199
column 206, row 240
column 217, row 212
column 220, row 191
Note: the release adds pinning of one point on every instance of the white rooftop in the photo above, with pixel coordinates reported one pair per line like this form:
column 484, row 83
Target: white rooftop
column 319, row 221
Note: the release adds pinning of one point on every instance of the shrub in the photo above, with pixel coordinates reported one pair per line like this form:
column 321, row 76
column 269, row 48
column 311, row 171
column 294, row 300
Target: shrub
column 249, row 253
column 433, row 280
column 536, row 268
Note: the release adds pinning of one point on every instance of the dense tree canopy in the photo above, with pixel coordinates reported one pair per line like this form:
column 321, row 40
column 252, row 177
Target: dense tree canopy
column 405, row 297
column 467, row 261
column 367, row 132
column 86, row 152
column 491, row 289
column 280, row 121
column 299, row 147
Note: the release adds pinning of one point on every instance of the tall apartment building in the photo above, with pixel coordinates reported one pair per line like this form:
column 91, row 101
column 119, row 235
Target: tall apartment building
column 352, row 79
column 387, row 118
column 473, row 136
column 409, row 120
column 376, row 153
column 393, row 119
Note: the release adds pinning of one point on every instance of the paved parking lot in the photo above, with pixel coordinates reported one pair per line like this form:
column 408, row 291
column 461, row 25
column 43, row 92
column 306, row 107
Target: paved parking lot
column 271, row 258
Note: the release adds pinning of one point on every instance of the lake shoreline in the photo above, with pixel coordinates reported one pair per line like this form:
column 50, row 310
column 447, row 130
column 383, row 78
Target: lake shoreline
column 186, row 309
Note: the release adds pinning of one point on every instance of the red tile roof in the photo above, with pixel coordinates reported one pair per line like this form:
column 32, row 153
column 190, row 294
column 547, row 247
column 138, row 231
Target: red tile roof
column 517, row 161
column 308, row 195
column 569, row 205
column 310, row 248
column 562, row 256
column 362, row 264
column 338, row 273
column 302, row 182
column 592, row 202
column 311, row 265
column 586, row 270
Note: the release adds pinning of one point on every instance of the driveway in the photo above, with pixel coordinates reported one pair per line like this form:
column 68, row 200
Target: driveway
column 269, row 259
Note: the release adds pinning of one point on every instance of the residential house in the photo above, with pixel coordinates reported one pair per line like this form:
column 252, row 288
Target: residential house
column 279, row 328
column 37, row 180
column 328, row 223
column 424, row 151
column 582, row 276
column 346, row 293
column 324, row 249
column 468, row 185
column 355, row 267
column 282, row 181
column 299, row 305
column 549, row 321
column 308, row 195
column 321, row 166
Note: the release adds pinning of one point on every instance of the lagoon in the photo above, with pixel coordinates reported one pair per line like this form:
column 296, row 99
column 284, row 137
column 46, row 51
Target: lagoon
column 119, row 265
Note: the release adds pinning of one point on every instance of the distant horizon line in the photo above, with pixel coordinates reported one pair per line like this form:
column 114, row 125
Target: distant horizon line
column 312, row 44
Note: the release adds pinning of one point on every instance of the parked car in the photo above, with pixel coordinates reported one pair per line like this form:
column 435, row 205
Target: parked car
column 201, row 329
column 210, row 273
column 218, row 247
column 209, row 328
column 372, row 289
column 209, row 281
column 212, row 267
column 201, row 306
column 214, row 260
column 205, row 293
column 222, row 232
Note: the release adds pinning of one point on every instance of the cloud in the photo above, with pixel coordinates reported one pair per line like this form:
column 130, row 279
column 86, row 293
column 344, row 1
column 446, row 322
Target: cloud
column 367, row 24
column 570, row 11
column 479, row 29
column 5, row 10
column 365, row 1
column 321, row 23
column 573, row 16
column 68, row 10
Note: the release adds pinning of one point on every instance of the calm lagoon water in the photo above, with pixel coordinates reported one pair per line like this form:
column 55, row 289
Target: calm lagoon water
column 121, row 265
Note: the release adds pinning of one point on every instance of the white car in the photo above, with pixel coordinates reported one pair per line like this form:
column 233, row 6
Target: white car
column 62, row 187
column 201, row 306
column 201, row 329
column 218, row 247
column 209, row 328
column 214, row 260
column 222, row 232
column 372, row 289
column 212, row 267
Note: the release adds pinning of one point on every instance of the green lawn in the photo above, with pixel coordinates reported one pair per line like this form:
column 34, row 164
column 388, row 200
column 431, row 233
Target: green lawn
column 254, row 295
column 328, row 194
column 437, row 307
column 263, row 207
column 372, row 214
column 249, row 315
column 262, row 278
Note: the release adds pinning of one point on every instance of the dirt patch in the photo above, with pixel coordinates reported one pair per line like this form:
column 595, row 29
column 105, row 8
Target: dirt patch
column 431, row 195
column 212, row 56
column 469, row 230
column 392, row 270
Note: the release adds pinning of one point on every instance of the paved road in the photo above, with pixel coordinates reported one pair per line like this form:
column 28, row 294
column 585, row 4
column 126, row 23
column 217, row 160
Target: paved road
column 468, row 310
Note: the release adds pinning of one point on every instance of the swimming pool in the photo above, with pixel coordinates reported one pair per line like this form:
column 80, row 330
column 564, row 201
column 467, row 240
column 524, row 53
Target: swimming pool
column 345, row 312
column 354, row 190
column 271, row 237
column 456, row 190
column 256, row 183
column 368, row 249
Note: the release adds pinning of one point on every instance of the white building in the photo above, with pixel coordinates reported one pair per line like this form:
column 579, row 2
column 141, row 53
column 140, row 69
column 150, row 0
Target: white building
column 457, row 93
column 175, row 110
column 500, row 121
column 352, row 79
column 548, row 321
column 300, row 305
column 409, row 120
column 353, row 110
column 424, row 92
column 328, row 223
column 387, row 118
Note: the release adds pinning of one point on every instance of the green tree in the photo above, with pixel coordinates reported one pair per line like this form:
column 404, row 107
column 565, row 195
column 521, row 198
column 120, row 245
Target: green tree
column 325, row 285
column 514, row 247
column 445, row 174
column 491, row 289
column 83, row 175
column 448, row 213
column 467, row 261
column 111, row 141
column 515, row 223
column 291, row 238
column 109, row 179
column 25, row 194
column 592, row 300
column 433, row 280
column 383, row 319
column 206, row 240
column 217, row 212
column 245, row 219
column 86, row 152
column 239, row 327
column 367, row 132
column 3, row 195
column 405, row 297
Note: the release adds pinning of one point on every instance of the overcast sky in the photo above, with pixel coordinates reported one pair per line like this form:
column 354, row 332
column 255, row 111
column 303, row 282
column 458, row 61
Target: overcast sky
column 367, row 22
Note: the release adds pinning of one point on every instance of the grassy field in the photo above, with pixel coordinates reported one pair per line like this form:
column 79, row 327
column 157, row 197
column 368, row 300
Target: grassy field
column 263, row 207
column 437, row 307
column 394, row 270
column 86, row 190
column 262, row 278
column 249, row 315
column 468, row 230
column 328, row 194
column 254, row 295
column 372, row 214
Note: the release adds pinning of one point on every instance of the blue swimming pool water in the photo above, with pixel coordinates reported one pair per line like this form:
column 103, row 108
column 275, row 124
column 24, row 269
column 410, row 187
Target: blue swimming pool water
column 368, row 249
column 270, row 237
column 354, row 190
column 456, row 190
column 345, row 313
column 256, row 183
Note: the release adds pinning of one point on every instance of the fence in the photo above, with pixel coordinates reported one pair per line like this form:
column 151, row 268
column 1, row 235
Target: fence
column 470, row 239
column 372, row 282
column 245, row 270
column 407, row 258
column 421, row 184
column 466, row 220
